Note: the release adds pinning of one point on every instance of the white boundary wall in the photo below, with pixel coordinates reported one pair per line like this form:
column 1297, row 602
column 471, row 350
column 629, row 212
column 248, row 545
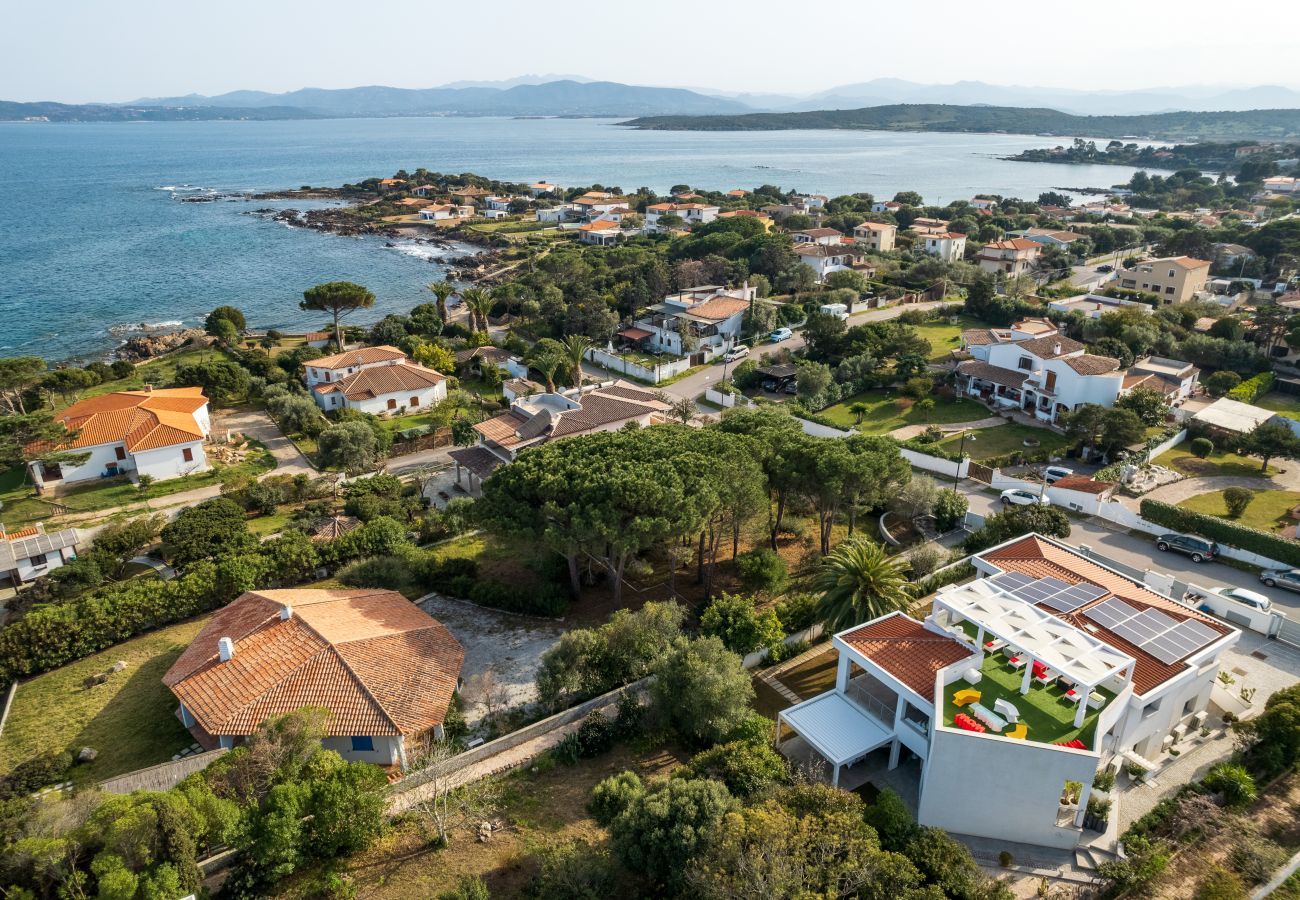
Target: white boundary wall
column 1117, row 512
column 1167, row 445
column 936, row 464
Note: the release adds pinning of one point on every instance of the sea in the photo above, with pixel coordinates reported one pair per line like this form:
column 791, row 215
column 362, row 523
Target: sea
column 96, row 245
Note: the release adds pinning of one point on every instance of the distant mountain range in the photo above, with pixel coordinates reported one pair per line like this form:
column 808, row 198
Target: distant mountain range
column 1259, row 124
column 554, row 95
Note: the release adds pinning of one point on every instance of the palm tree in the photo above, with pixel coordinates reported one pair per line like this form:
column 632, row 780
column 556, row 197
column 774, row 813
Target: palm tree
column 858, row 582
column 548, row 364
column 442, row 290
column 860, row 410
column 479, row 304
column 575, row 349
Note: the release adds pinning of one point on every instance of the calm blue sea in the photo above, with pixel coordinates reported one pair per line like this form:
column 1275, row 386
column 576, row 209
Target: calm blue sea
column 90, row 238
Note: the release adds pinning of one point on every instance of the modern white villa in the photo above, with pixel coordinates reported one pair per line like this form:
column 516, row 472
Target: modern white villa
column 690, row 213
column 1031, row 366
column 158, row 433
column 1047, row 669
column 703, row 320
column 379, row 380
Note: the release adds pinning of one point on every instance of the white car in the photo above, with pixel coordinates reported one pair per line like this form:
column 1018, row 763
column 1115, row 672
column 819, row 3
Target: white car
column 1022, row 497
column 1252, row 599
column 1053, row 474
column 735, row 353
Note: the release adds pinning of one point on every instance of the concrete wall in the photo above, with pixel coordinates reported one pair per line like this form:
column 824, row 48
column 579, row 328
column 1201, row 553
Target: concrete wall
column 1000, row 788
column 1167, row 445
column 1114, row 511
column 387, row 750
column 169, row 462
column 618, row 365
column 936, row 464
column 816, row 429
column 1237, row 613
column 429, row 398
column 1151, row 718
column 726, row 401
column 162, row 777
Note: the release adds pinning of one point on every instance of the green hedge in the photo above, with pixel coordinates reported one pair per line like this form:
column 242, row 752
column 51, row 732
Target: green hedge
column 1252, row 389
column 1239, row 536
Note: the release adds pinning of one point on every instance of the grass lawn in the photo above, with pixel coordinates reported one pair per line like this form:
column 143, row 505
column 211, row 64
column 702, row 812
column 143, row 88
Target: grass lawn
column 160, row 372
column 1003, row 439
column 1286, row 404
column 414, row 420
column 264, row 525
column 1218, row 463
column 1267, row 512
column 945, row 338
column 499, row 558
column 1045, row 710
column 883, row 415
column 128, row 719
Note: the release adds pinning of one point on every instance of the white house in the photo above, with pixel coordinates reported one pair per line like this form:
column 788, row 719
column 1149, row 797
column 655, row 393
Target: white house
column 949, row 246
column 29, row 553
column 690, row 213
column 983, row 203
column 823, row 259
column 1047, row 669
column 1094, row 305
column 158, row 433
column 886, row 206
column 711, row 316
column 601, row 232
column 1049, row 237
column 563, row 213
column 827, row 237
column 496, row 207
column 441, row 212
column 1172, row 377
column 1011, row 258
column 378, row 380
column 877, row 236
column 543, row 187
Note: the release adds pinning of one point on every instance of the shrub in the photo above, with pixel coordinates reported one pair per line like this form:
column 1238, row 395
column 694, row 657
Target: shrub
column 761, row 569
column 630, row 714
column 1005, row 859
column 741, row 628
column 596, row 735
column 661, row 831
column 1256, row 859
column 747, row 768
column 470, row 887
column 1201, row 447
column 613, row 795
column 573, row 871
column 1104, row 780
column 1220, row 884
column 567, row 750
column 702, row 690
column 388, row 572
column 1252, row 389
column 1240, row 536
column 949, row 509
column 925, row 559
column 1236, row 499
column 893, row 823
column 797, row 612
column 1232, row 782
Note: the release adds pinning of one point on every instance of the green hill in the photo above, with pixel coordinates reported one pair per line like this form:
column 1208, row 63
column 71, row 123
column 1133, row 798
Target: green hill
column 1255, row 124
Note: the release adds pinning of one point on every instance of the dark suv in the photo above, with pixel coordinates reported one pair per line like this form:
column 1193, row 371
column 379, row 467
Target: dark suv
column 1198, row 549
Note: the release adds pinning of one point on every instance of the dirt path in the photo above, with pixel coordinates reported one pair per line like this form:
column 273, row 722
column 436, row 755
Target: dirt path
column 907, row 432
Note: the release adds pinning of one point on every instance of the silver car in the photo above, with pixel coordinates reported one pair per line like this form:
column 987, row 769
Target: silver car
column 1287, row 578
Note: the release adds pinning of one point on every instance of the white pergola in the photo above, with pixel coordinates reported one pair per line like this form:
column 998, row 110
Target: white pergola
column 835, row 728
column 1040, row 636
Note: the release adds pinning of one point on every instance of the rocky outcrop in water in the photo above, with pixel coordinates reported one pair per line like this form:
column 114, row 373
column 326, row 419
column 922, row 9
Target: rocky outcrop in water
column 147, row 346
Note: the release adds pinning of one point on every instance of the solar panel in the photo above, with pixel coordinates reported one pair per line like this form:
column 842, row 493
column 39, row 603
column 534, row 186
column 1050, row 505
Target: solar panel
column 1157, row 619
column 1009, row 581
column 1111, row 613
column 1203, row 633
column 1168, row 653
column 1055, row 584
column 1075, row 596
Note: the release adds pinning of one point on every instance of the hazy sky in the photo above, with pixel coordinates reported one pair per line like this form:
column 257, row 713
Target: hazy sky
column 86, row 50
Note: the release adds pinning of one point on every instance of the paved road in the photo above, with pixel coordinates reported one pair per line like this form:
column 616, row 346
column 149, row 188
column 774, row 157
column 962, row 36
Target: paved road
column 693, row 385
column 1140, row 552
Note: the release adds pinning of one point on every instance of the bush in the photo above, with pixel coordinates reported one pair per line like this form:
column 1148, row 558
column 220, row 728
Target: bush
column 470, row 887
column 574, row 871
column 1201, row 447
column 949, row 509
column 1236, row 499
column 1216, row 529
column 797, row 612
column 1104, row 780
column 761, row 569
column 1255, row 858
column 702, row 690
column 31, row 775
column 596, row 735
column 747, row 768
column 389, row 572
column 1220, row 884
column 1233, row 783
column 925, row 559
column 893, row 823
column 1252, row 389
column 661, row 831
column 742, row 629
column 613, row 795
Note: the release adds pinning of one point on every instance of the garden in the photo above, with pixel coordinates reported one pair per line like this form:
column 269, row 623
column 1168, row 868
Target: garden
column 880, row 412
column 1267, row 510
column 1219, row 463
column 985, row 444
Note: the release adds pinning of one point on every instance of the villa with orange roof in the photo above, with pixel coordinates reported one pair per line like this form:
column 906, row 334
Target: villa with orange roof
column 601, row 232
column 158, row 433
column 1047, row 669
column 710, row 316
column 378, row 380
column 383, row 668
column 1011, row 258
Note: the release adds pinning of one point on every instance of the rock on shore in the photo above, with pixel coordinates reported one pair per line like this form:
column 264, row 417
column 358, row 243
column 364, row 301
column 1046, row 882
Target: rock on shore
column 147, row 346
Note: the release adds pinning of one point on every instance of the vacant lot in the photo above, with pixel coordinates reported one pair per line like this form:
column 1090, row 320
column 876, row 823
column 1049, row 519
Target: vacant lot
column 1286, row 404
column 129, row 719
column 1269, row 511
column 945, row 338
column 1218, row 463
column 988, row 443
column 882, row 414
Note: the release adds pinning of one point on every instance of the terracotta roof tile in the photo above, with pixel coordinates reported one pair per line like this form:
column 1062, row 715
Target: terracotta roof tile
column 141, row 420
column 1045, row 347
column 359, row 357
column 374, row 659
column 908, row 650
column 380, row 380
column 1091, row 364
column 719, row 308
column 1083, row 483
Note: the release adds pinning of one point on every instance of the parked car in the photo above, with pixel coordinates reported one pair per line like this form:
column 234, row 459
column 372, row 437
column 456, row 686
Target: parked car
column 735, row 353
column 1199, row 549
column 781, row 334
column 1053, row 474
column 792, row 387
column 1287, row 578
column 1022, row 497
column 1105, row 268
column 1253, row 599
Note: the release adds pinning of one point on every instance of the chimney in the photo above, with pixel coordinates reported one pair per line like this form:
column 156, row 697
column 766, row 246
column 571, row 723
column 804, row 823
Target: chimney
column 1056, row 349
column 225, row 649
column 286, row 612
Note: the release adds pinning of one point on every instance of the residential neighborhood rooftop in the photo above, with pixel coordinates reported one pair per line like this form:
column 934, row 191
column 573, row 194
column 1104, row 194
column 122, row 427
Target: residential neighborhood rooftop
column 141, row 420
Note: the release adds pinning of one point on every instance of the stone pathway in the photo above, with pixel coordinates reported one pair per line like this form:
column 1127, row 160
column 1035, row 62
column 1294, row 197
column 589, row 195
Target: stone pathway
column 165, row 572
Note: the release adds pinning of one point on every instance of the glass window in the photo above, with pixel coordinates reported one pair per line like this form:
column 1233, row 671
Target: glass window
column 363, row 745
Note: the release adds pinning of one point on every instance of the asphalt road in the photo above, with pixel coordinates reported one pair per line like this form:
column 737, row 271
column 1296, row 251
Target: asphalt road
column 1140, row 552
column 694, row 384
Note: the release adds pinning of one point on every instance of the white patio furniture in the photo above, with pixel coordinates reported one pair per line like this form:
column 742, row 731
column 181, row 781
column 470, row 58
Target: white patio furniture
column 1016, row 662
column 987, row 716
column 972, row 676
column 1007, row 710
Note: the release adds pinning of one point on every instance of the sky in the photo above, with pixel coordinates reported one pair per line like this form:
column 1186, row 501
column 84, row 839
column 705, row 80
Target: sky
column 79, row 51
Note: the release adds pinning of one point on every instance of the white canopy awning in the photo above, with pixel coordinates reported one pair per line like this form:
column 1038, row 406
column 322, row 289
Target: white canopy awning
column 836, row 728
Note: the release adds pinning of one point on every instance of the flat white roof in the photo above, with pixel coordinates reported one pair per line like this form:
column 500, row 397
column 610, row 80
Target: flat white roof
column 1233, row 415
column 836, row 728
column 1054, row 642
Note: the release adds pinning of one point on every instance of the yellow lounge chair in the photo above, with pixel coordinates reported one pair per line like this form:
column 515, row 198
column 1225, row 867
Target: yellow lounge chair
column 965, row 697
column 1018, row 732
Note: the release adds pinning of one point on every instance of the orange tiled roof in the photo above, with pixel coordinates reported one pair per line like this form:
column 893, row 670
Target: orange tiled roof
column 141, row 420
column 1038, row 558
column 719, row 308
column 1092, row 364
column 599, row 409
column 502, row 429
column 380, row 380
column 908, row 650
column 21, row 533
column 1083, row 483
column 378, row 663
column 360, row 357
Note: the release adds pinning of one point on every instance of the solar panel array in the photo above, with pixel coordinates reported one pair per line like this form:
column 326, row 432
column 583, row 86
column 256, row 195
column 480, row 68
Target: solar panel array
column 1161, row 635
column 1049, row 591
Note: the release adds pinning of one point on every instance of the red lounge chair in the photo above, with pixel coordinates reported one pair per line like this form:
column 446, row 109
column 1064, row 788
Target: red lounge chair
column 1075, row 744
column 1039, row 669
column 961, row 720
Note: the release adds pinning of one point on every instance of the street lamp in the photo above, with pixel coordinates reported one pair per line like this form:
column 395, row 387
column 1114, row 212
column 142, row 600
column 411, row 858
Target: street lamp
column 960, row 456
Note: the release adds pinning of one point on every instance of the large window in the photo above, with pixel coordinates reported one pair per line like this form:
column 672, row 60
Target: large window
column 363, row 745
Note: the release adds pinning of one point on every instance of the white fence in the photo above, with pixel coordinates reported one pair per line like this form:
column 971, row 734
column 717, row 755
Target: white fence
column 813, row 429
column 1265, row 623
column 1117, row 512
column 1167, row 445
column 726, row 401
column 936, row 464
column 807, row 636
column 621, row 365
